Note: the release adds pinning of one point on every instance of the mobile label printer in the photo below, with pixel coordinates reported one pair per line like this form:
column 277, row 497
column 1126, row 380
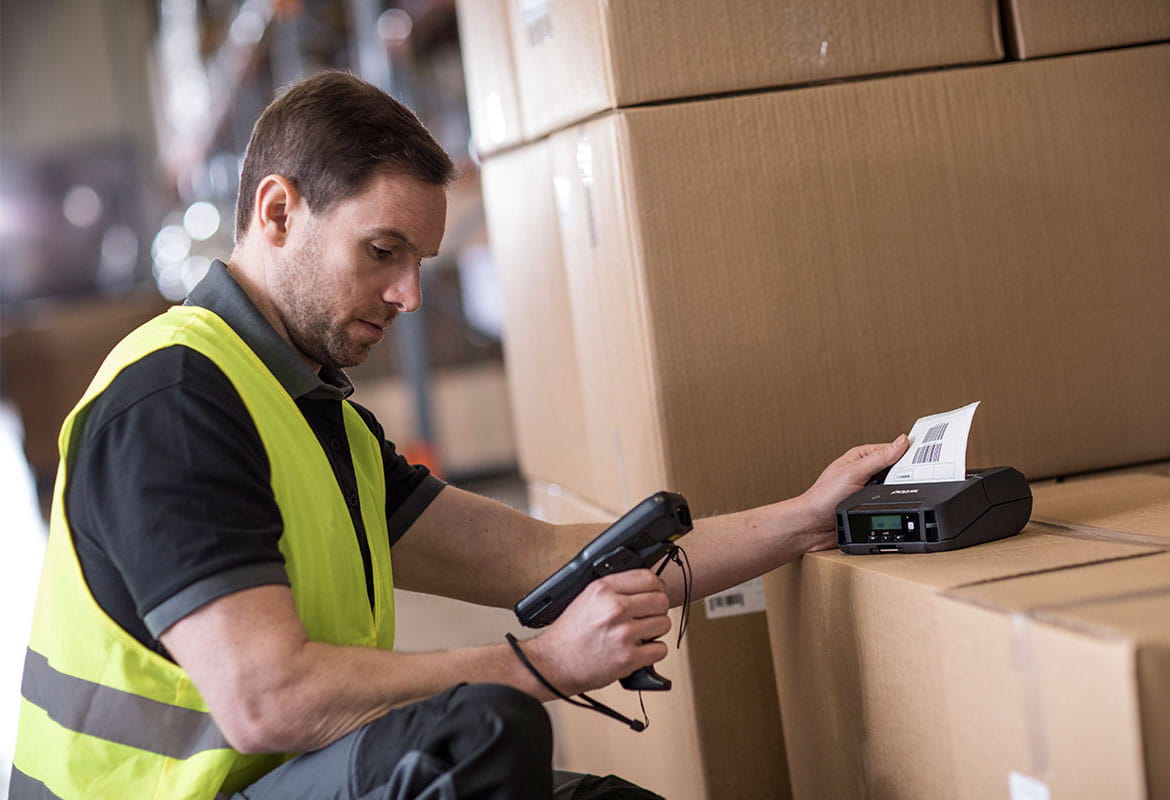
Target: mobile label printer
column 989, row 504
column 929, row 501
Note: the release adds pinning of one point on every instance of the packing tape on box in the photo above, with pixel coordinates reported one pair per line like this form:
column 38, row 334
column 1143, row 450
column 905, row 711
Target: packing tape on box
column 585, row 171
column 1033, row 711
column 537, row 21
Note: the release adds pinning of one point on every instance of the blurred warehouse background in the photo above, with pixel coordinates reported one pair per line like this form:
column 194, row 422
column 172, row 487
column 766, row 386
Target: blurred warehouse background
column 123, row 124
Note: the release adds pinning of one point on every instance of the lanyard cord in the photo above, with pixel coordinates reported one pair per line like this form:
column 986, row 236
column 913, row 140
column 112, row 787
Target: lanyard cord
column 585, row 702
column 684, row 564
column 596, row 705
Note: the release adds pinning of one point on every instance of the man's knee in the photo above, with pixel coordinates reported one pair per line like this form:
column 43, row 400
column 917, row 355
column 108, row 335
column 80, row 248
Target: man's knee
column 485, row 740
column 520, row 714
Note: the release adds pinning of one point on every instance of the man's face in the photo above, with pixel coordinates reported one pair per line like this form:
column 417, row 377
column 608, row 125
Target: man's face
column 347, row 273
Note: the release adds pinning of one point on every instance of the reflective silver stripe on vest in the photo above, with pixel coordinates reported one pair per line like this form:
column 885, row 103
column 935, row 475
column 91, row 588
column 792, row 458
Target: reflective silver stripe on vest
column 117, row 716
column 24, row 787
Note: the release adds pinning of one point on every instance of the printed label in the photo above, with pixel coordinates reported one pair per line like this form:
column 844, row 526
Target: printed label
column 747, row 598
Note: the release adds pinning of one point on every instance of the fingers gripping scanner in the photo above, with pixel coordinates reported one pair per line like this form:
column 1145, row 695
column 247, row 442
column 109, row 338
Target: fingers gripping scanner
column 639, row 539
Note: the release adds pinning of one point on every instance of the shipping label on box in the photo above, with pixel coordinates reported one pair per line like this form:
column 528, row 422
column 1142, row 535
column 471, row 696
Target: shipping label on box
column 747, row 598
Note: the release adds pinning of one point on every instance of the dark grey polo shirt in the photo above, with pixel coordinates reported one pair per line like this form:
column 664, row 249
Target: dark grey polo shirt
column 169, row 495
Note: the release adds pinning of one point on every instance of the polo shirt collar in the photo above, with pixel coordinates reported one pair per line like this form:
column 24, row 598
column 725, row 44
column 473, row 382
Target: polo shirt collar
column 219, row 293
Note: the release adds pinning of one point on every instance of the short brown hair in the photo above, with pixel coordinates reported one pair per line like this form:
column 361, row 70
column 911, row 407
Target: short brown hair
column 329, row 135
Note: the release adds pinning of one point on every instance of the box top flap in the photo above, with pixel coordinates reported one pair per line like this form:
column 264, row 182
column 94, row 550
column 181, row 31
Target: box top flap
column 1067, row 589
column 1132, row 503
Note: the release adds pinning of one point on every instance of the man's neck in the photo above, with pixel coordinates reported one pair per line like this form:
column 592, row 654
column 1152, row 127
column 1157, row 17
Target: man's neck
column 250, row 270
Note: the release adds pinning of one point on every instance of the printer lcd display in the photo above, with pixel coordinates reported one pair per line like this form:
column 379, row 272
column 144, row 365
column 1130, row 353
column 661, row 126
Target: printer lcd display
column 886, row 527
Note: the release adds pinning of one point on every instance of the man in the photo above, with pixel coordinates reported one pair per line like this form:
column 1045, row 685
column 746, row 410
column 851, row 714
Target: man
column 217, row 586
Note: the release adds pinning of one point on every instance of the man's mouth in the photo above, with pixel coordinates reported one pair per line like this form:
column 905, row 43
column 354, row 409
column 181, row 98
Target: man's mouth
column 373, row 328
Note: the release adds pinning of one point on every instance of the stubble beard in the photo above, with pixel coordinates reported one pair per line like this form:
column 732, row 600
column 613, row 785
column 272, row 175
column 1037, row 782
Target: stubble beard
column 304, row 293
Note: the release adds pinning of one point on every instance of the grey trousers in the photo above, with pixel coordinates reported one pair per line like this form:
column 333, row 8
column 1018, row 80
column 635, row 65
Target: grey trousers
column 470, row 742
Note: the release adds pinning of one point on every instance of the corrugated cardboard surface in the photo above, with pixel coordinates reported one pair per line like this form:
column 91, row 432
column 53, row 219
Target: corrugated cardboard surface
column 716, row 734
column 1043, row 27
column 575, row 58
column 942, row 674
column 758, row 283
column 493, row 103
column 539, row 341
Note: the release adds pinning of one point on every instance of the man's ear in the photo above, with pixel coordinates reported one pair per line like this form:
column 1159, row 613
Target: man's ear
column 277, row 202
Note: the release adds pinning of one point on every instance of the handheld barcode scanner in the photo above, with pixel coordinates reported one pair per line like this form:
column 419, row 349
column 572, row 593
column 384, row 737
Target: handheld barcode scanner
column 644, row 536
column 989, row 504
column 641, row 538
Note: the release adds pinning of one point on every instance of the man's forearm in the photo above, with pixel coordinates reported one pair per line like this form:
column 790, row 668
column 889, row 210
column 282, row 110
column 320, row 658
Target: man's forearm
column 729, row 549
column 329, row 691
column 271, row 689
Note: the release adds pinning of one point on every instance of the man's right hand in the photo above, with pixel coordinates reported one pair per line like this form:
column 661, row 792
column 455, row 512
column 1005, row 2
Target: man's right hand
column 607, row 632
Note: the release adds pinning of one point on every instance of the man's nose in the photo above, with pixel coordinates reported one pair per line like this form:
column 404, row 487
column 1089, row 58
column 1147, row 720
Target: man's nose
column 405, row 293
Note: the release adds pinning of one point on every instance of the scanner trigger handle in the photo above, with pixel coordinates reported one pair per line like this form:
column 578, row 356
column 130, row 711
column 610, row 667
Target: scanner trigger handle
column 645, row 680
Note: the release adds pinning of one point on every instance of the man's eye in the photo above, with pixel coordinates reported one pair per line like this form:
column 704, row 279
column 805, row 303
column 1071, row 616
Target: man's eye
column 381, row 253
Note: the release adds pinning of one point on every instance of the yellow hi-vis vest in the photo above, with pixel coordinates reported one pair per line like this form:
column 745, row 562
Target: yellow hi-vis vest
column 104, row 717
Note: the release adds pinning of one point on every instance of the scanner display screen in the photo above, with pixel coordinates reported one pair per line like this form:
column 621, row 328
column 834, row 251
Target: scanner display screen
column 886, row 522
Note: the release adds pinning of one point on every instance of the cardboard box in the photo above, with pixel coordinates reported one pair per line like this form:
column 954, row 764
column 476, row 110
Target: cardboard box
column 493, row 104
column 538, row 337
column 1035, row 662
column 715, row 734
column 1035, row 28
column 756, row 284
column 575, row 58
column 470, row 410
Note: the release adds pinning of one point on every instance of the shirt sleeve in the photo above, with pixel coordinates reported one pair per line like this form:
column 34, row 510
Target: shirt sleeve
column 169, row 497
column 410, row 488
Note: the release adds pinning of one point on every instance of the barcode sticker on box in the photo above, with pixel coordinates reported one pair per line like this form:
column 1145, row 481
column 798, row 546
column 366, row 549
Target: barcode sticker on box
column 747, row 598
column 1023, row 787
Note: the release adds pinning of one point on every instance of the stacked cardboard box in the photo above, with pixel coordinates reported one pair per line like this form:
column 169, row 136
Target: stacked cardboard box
column 1037, row 663
column 557, row 361
column 754, row 284
column 718, row 295
column 534, row 66
column 1035, row 28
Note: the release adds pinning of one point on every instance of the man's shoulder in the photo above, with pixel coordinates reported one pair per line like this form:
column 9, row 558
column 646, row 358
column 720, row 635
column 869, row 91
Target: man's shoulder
column 163, row 375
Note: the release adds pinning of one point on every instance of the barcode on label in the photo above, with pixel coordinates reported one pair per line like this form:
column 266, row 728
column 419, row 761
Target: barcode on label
column 746, row 598
column 725, row 600
column 928, row 454
column 935, row 433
